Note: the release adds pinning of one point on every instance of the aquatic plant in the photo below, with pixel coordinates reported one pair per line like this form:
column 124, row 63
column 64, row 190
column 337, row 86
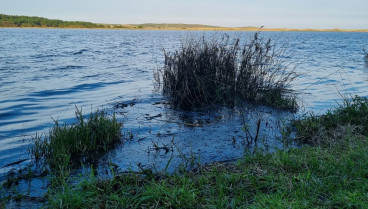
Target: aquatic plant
column 98, row 131
column 221, row 71
column 350, row 116
column 365, row 53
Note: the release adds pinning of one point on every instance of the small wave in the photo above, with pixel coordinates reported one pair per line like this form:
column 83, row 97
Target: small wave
column 68, row 67
column 72, row 67
column 13, row 114
column 43, row 56
column 92, row 76
column 78, row 88
column 80, row 52
column 16, row 122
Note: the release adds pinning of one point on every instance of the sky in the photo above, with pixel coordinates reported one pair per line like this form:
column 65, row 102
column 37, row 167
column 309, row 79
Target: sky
column 318, row 14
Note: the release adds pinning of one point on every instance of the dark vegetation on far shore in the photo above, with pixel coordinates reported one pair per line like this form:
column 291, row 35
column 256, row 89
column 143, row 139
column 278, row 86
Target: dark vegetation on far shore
column 27, row 21
column 208, row 71
column 41, row 22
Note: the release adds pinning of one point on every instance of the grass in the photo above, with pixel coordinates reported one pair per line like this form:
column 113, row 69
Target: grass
column 221, row 71
column 350, row 116
column 308, row 177
column 3, row 197
column 96, row 132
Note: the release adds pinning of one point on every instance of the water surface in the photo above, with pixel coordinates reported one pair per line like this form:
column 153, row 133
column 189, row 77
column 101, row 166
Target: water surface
column 45, row 73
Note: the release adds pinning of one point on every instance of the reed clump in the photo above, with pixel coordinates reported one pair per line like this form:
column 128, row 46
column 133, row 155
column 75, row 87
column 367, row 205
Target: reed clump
column 222, row 71
column 98, row 131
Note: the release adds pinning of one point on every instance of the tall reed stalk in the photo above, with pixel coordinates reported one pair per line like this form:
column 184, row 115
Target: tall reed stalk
column 221, row 71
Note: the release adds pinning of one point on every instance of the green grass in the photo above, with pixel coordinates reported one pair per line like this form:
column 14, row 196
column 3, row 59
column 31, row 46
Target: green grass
column 350, row 116
column 334, row 176
column 96, row 132
column 309, row 177
column 4, row 197
column 27, row 21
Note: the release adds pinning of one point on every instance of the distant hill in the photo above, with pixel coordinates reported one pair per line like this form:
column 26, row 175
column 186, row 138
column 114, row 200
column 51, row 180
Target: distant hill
column 40, row 22
column 27, row 21
column 174, row 26
column 180, row 26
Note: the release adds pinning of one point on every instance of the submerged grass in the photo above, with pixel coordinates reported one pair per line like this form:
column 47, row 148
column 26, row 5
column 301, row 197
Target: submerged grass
column 98, row 131
column 310, row 177
column 220, row 71
column 333, row 176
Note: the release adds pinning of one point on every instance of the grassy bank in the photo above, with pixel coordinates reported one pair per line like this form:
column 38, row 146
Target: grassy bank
column 326, row 130
column 324, row 175
column 310, row 177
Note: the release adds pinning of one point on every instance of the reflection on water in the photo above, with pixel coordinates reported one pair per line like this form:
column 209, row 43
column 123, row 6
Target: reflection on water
column 45, row 73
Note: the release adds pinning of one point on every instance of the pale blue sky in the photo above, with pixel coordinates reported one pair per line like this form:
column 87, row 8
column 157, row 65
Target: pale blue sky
column 344, row 14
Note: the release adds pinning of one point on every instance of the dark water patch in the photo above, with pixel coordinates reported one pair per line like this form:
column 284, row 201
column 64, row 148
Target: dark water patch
column 68, row 67
column 65, row 36
column 24, row 131
column 4, row 123
column 78, row 88
column 211, row 134
column 22, row 102
column 6, row 82
column 13, row 114
column 80, row 52
column 15, row 163
column 15, row 153
column 93, row 76
column 43, row 57
column 123, row 66
column 351, row 89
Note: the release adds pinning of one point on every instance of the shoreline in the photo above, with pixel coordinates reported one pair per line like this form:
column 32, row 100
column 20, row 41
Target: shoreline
column 208, row 29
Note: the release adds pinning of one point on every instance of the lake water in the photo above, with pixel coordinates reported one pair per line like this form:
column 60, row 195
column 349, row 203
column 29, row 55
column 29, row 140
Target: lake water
column 45, row 73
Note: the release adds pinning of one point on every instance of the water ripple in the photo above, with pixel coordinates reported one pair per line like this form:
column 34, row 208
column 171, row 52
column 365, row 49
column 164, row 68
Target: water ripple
column 45, row 73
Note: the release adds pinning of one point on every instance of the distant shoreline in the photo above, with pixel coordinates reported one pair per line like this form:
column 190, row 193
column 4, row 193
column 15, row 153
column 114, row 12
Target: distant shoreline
column 206, row 29
column 15, row 21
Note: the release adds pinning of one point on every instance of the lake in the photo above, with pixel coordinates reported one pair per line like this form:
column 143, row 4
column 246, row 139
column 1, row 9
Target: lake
column 45, row 73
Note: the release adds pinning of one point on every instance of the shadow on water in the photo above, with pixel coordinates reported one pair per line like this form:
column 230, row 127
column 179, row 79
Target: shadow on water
column 157, row 137
column 157, row 134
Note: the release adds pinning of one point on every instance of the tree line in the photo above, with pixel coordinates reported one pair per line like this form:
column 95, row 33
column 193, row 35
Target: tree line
column 27, row 21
